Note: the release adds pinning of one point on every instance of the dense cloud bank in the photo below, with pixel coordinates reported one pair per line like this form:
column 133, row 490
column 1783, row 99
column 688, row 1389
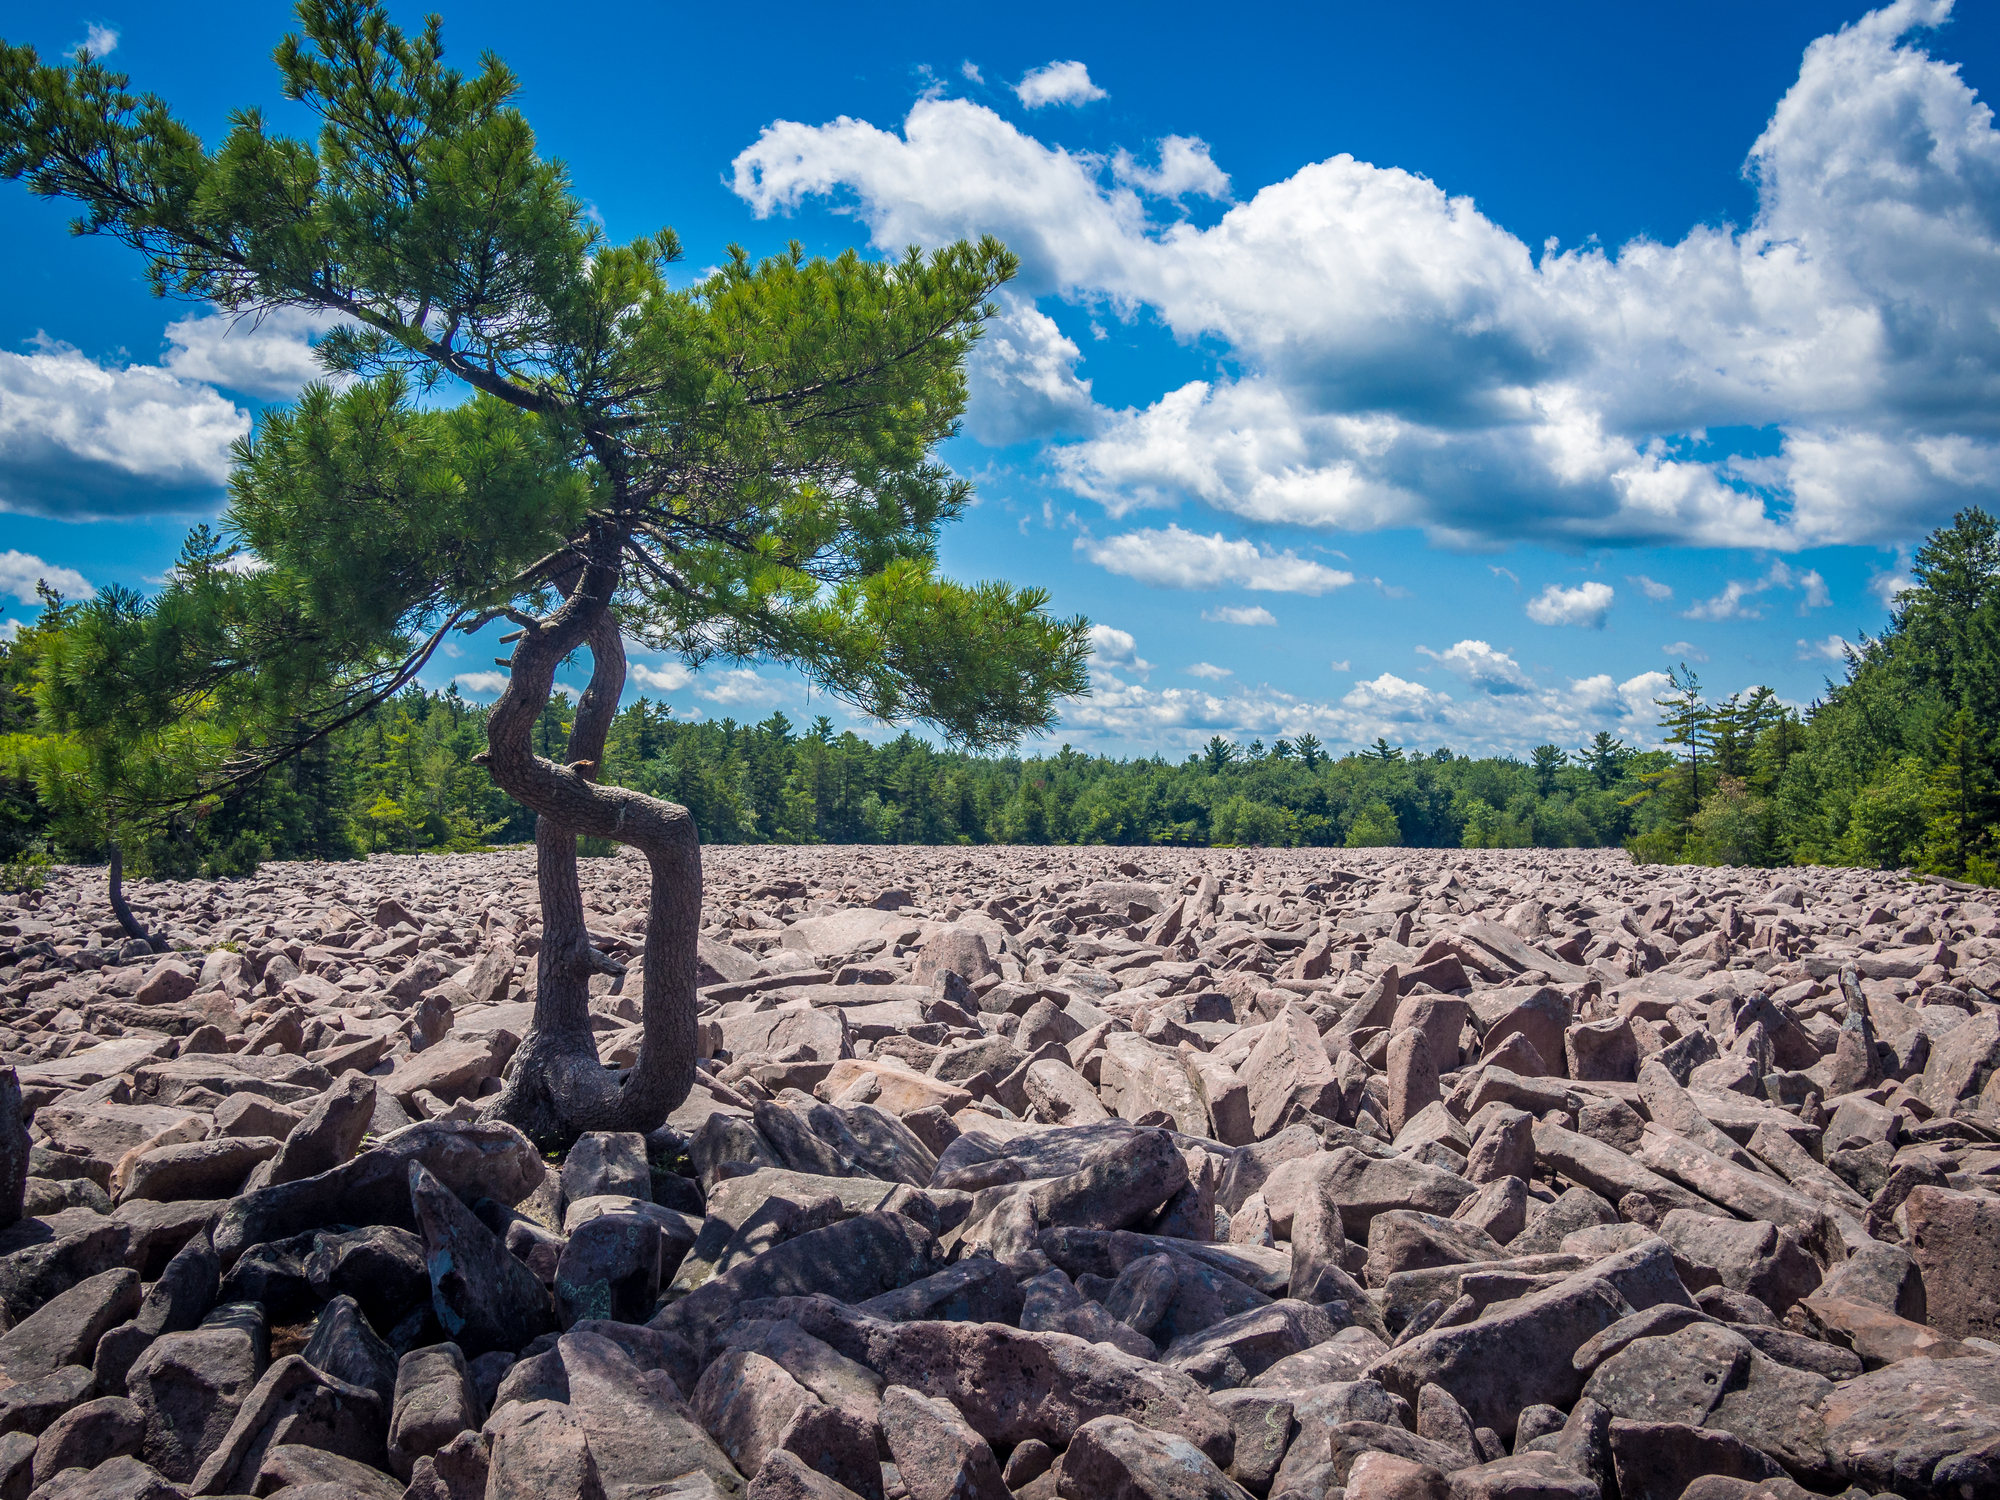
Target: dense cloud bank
column 1405, row 360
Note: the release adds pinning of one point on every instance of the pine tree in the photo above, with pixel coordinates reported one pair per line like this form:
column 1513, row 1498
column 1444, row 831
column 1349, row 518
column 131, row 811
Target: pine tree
column 1688, row 723
column 741, row 469
column 1606, row 756
column 1547, row 762
column 1963, row 801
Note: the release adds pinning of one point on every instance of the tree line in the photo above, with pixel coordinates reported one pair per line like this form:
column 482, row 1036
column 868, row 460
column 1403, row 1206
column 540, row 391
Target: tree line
column 1893, row 766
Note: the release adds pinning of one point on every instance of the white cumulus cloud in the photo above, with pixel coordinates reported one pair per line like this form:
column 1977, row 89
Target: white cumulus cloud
column 1738, row 599
column 1399, row 358
column 668, row 677
column 1684, row 651
column 482, row 682
column 1112, row 647
column 99, row 41
column 1022, row 381
column 1392, row 707
column 269, row 356
column 1185, row 167
column 742, row 687
column 1638, row 694
column 1586, row 605
column 1239, row 614
column 1483, row 667
column 86, row 441
column 1057, row 83
column 21, row 571
column 1180, row 559
column 1832, row 648
column 1652, row 588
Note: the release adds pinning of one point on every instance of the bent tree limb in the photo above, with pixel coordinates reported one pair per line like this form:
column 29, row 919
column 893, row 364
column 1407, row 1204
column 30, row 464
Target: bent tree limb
column 115, row 888
column 556, row 1089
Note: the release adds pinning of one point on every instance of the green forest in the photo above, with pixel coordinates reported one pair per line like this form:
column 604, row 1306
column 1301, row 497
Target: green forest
column 1894, row 766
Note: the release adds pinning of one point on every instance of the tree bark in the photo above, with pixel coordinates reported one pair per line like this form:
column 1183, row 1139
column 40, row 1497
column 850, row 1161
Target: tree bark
column 555, row 1088
column 115, row 888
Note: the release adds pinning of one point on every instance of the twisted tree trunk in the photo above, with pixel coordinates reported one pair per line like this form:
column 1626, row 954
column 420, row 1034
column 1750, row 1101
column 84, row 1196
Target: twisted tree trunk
column 556, row 1089
column 115, row 889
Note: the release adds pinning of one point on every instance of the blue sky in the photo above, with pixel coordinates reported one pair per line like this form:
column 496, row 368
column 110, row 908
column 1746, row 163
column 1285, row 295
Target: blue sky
column 1441, row 372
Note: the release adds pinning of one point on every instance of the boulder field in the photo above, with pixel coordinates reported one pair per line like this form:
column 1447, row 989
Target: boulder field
column 1086, row 1173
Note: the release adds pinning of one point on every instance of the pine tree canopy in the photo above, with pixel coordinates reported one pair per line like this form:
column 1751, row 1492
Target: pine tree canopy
column 749, row 460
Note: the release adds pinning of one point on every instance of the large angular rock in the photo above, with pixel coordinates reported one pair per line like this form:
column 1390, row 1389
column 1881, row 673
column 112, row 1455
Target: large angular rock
column 1602, row 1050
column 852, row 1261
column 1401, row 1239
column 380, row 1267
column 937, row 1454
column 605, row 1161
column 176, row 1301
column 1116, row 1186
column 189, row 1387
column 460, row 1470
column 66, row 1329
column 541, row 1452
column 449, row 1070
column 1364, row 1186
column 640, row 1433
column 1113, row 1458
column 196, row 1169
column 345, row 1346
column 1911, row 1426
column 1609, row 1172
column 1412, row 1073
column 956, row 950
column 1504, row 1146
column 330, row 1133
column 294, row 1403
column 1289, row 1074
column 1138, row 1078
column 746, row 1402
column 1012, row 1385
column 1659, row 1460
column 472, row 1160
column 1760, row 1260
column 1680, row 1377
column 1962, row 1064
column 1748, row 1194
column 483, row 1297
column 840, row 1382
column 1319, row 1235
column 122, row 1478
column 609, row 1268
column 1236, row 1350
column 1884, row 1275
column 1344, row 1357
column 314, row 1474
column 1520, row 1357
column 88, row 1435
column 785, row 1476
column 1954, row 1240
column 43, row 1256
column 434, row 1403
column 973, row 1291
column 1540, row 1018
